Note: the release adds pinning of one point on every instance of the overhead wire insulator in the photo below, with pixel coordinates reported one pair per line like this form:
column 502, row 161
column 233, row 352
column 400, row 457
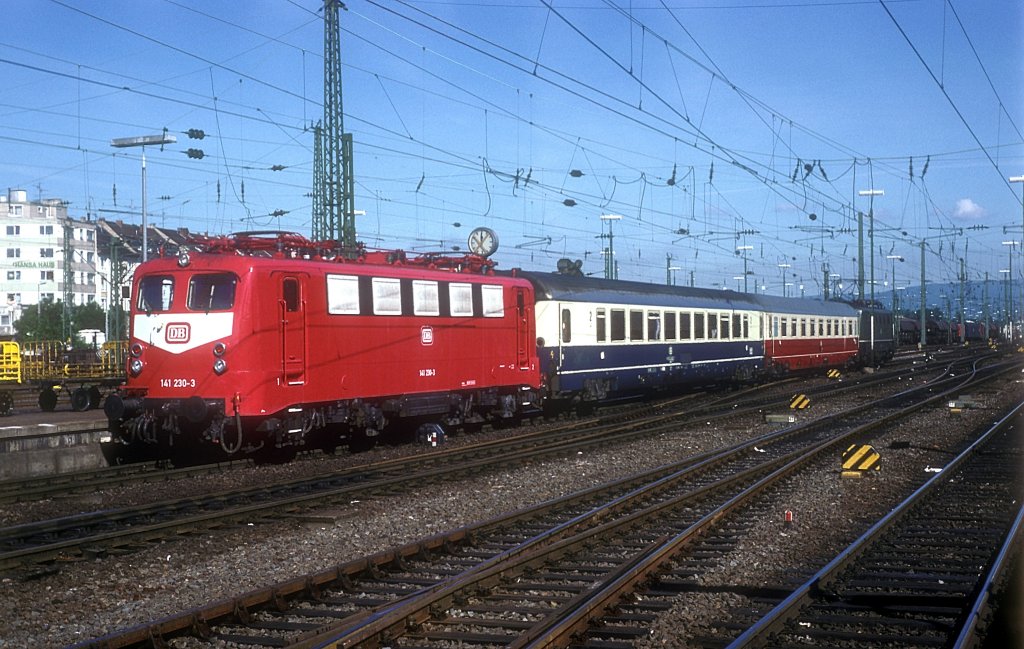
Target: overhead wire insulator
column 196, row 133
column 195, row 153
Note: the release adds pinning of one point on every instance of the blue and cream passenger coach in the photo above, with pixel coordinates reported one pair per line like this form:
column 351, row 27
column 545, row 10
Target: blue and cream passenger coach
column 605, row 338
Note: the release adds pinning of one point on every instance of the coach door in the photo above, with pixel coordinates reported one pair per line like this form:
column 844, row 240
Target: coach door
column 291, row 306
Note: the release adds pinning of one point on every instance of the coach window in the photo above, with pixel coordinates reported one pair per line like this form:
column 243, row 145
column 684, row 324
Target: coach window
column 602, row 325
column 803, row 327
column 698, row 326
column 618, row 325
column 723, row 321
column 785, row 327
column 684, row 325
column 738, row 325
column 424, row 298
column 775, row 326
column 156, row 293
column 712, row 326
column 211, row 292
column 670, row 325
column 387, row 296
column 493, row 301
column 746, row 325
column 636, row 324
column 653, row 325
column 566, row 326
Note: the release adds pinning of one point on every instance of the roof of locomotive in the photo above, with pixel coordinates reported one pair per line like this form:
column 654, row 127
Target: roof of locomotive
column 575, row 288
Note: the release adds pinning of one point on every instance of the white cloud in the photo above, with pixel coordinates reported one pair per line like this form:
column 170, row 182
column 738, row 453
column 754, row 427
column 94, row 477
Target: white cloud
column 968, row 209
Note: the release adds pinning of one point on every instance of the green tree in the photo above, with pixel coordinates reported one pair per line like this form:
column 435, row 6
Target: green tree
column 88, row 316
column 40, row 322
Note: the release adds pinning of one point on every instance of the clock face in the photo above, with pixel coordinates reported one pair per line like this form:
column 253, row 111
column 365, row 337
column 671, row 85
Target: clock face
column 483, row 242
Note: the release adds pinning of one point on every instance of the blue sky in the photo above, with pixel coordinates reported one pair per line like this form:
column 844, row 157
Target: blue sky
column 707, row 125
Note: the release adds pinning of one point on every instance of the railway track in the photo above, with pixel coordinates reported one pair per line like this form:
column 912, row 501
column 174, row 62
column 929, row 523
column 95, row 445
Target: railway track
column 768, row 396
column 118, row 531
column 923, row 575
column 540, row 573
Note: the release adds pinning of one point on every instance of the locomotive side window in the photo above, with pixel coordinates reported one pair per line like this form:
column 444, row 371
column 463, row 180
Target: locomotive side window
column 424, row 298
column 343, row 294
column 618, row 325
column 653, row 325
column 602, row 326
column 156, row 293
column 636, row 324
column 698, row 326
column 460, row 297
column 493, row 301
column 566, row 326
column 212, row 292
column 387, row 296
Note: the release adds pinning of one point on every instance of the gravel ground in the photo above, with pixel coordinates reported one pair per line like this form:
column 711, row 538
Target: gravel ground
column 86, row 599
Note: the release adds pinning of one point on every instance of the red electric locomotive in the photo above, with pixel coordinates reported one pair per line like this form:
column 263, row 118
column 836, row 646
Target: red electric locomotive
column 261, row 344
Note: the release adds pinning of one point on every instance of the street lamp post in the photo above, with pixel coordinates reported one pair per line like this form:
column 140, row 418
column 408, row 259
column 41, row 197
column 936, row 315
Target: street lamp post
column 1020, row 179
column 871, row 235
column 1009, row 289
column 742, row 250
column 894, row 258
column 784, row 267
column 143, row 141
column 610, row 270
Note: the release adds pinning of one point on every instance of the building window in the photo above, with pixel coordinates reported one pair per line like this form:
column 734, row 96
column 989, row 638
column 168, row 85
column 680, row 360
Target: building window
column 46, row 275
column 88, row 235
column 13, row 230
column 13, row 253
column 46, row 253
column 14, row 274
column 14, row 210
column 45, row 229
column 90, row 257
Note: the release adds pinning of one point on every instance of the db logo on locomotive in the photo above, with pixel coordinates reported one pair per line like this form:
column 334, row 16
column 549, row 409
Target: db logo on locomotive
column 178, row 332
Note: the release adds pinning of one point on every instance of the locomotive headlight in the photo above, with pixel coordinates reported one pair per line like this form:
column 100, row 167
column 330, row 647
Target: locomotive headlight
column 136, row 350
column 135, row 367
column 220, row 366
column 183, row 258
column 219, row 349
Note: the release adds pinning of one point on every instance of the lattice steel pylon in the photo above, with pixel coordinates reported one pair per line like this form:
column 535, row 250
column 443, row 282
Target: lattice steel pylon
column 336, row 184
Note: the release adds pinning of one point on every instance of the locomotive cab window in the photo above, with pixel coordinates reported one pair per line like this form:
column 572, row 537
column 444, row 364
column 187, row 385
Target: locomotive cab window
column 211, row 292
column 156, row 293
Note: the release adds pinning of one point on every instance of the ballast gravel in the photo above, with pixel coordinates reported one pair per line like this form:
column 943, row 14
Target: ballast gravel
column 83, row 600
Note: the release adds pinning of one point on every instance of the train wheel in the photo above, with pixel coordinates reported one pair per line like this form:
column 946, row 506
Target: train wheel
column 6, row 402
column 80, row 399
column 47, row 400
column 95, row 397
